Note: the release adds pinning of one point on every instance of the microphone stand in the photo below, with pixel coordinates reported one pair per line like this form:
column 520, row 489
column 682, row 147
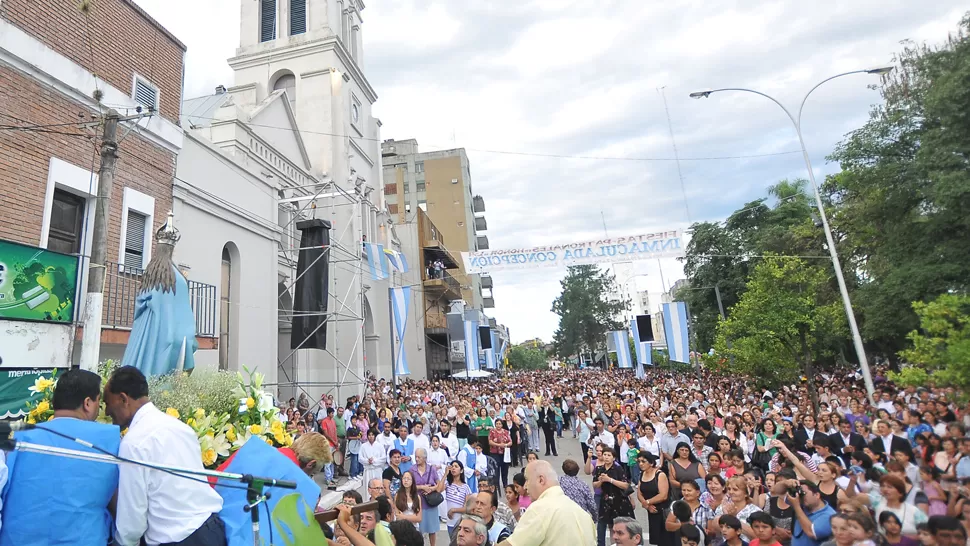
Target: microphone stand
column 255, row 494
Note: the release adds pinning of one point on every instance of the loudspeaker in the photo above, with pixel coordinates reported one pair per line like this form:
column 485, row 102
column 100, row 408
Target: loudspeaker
column 485, row 336
column 312, row 286
column 644, row 328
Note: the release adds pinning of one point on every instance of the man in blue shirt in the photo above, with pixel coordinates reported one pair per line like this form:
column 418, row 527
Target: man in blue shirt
column 812, row 515
column 57, row 500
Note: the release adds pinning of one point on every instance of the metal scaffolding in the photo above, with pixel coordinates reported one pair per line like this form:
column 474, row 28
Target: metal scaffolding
column 346, row 270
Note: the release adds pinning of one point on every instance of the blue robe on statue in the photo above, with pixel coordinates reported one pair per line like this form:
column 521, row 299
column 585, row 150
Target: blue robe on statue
column 164, row 321
column 407, row 450
column 58, row 501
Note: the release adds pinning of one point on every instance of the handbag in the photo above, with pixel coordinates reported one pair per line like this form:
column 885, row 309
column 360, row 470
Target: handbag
column 508, row 455
column 434, row 498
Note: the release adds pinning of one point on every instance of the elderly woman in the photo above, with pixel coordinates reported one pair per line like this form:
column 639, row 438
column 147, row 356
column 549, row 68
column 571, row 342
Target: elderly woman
column 427, row 479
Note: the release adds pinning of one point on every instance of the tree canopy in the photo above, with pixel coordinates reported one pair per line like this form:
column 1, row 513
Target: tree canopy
column 586, row 310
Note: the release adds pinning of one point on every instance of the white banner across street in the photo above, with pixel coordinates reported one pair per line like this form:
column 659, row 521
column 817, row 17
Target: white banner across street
column 662, row 244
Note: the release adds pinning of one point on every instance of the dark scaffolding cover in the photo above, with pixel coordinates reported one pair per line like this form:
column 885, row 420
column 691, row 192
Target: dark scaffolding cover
column 312, row 286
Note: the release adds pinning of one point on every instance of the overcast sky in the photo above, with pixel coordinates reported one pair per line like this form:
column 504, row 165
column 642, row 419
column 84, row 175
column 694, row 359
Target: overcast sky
column 567, row 78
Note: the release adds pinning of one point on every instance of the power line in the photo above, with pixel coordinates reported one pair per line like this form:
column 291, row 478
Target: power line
column 525, row 154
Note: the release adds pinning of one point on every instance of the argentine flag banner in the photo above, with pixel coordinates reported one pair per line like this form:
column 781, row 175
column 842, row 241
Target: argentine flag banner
column 397, row 260
column 399, row 304
column 376, row 261
column 675, row 330
column 621, row 346
column 471, row 345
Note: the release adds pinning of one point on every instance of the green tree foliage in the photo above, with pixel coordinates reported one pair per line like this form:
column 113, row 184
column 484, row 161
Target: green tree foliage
column 724, row 255
column 527, row 358
column 941, row 346
column 586, row 311
column 787, row 319
column 900, row 203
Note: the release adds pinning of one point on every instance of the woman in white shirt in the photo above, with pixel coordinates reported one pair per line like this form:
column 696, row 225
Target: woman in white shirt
column 649, row 442
column 438, row 457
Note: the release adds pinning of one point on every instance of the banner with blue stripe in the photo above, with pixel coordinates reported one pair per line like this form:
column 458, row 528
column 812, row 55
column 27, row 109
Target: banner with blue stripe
column 471, row 345
column 376, row 261
column 621, row 345
column 400, row 297
column 675, row 330
column 397, row 260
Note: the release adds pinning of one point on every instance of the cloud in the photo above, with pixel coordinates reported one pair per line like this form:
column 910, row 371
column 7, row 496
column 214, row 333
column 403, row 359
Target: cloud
column 576, row 78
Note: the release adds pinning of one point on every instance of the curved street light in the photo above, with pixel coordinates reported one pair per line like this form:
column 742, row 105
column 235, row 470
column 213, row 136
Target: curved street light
column 797, row 122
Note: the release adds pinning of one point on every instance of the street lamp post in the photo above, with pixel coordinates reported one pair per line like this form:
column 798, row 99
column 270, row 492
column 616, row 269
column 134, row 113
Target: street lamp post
column 797, row 122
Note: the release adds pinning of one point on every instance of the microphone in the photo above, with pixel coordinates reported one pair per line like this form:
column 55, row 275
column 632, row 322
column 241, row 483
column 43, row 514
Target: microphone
column 6, row 427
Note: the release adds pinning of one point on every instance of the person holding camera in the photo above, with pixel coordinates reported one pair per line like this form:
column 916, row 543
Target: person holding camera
column 812, row 514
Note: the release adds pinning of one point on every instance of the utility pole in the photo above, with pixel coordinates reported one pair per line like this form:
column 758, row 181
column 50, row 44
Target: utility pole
column 94, row 300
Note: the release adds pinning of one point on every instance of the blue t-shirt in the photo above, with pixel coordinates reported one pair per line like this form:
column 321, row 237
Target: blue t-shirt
column 58, row 500
column 820, row 523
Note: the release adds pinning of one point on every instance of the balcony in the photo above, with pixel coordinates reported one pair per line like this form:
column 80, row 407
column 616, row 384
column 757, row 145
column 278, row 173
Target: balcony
column 481, row 224
column 432, row 243
column 486, row 281
column 478, row 204
column 436, row 321
column 121, row 288
column 446, row 287
column 488, row 302
column 482, row 242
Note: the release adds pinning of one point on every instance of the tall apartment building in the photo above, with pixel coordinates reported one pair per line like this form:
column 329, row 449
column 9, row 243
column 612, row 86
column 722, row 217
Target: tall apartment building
column 56, row 61
column 440, row 184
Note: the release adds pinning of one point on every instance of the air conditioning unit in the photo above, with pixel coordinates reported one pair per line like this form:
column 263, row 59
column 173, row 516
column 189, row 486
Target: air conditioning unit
column 454, row 180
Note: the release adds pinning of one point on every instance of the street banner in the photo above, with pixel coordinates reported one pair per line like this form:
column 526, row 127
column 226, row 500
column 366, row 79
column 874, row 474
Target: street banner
column 471, row 346
column 675, row 329
column 619, row 343
column 662, row 244
column 400, row 297
column 37, row 284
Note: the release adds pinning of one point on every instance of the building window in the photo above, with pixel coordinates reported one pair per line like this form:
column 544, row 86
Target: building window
column 421, row 186
column 67, row 222
column 287, row 82
column 419, row 166
column 137, row 216
column 267, row 20
column 145, row 93
column 297, row 17
column 392, row 208
column 135, row 241
column 224, row 291
column 407, row 187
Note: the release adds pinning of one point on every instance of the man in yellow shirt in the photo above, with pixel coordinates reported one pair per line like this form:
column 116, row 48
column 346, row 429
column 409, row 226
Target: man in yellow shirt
column 553, row 518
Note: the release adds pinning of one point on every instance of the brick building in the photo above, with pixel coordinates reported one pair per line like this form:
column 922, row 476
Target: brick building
column 55, row 58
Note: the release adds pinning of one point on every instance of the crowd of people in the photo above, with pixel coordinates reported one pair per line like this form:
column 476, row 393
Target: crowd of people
column 673, row 459
column 705, row 460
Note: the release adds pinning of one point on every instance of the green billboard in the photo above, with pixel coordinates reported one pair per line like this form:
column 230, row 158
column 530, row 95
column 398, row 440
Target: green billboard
column 36, row 284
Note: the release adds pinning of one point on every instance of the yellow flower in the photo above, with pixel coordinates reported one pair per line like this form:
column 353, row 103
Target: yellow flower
column 31, row 421
column 199, row 413
column 231, row 433
column 190, row 422
column 209, row 457
column 41, row 384
column 268, row 441
column 280, row 438
column 123, row 432
column 42, row 407
column 250, row 403
column 210, row 434
column 288, row 441
column 276, row 427
column 173, row 412
column 255, row 429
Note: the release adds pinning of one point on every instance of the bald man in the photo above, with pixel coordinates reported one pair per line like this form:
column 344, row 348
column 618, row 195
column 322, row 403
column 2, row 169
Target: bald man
column 552, row 516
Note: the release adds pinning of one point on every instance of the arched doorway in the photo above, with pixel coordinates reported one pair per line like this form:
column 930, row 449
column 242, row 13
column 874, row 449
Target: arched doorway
column 229, row 307
column 287, row 82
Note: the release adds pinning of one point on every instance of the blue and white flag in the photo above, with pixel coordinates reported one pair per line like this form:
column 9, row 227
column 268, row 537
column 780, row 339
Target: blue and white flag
column 491, row 359
column 397, row 260
column 502, row 351
column 471, row 345
column 675, row 330
column 376, row 261
column 621, row 345
column 400, row 297
column 644, row 351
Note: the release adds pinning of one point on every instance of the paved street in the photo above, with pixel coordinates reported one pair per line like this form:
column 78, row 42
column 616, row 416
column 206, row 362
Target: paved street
column 568, row 449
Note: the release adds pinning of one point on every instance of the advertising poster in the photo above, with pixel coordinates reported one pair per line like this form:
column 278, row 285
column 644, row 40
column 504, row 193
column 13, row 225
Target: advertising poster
column 37, row 284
